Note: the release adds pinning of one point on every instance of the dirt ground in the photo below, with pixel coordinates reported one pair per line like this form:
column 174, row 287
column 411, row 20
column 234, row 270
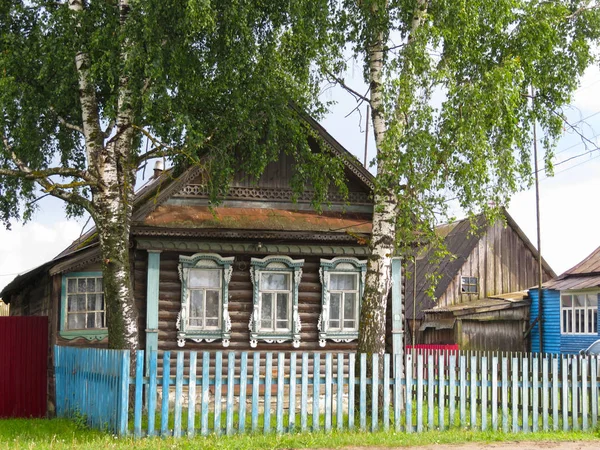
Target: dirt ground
column 577, row 445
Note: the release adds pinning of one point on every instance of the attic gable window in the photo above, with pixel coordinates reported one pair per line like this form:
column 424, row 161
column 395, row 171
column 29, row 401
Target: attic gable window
column 83, row 311
column 468, row 285
column 579, row 313
column 343, row 281
column 275, row 316
column 204, row 314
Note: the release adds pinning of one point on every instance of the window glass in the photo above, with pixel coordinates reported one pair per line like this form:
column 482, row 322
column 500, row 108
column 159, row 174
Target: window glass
column 84, row 303
column 567, row 300
column 274, row 281
column 204, row 278
column 266, row 311
column 342, row 282
column 592, row 300
column 282, row 311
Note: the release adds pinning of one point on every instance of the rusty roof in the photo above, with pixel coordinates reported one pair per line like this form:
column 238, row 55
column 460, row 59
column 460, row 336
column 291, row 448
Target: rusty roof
column 203, row 217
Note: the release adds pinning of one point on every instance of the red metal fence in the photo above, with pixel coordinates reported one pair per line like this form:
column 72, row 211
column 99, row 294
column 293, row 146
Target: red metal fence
column 23, row 366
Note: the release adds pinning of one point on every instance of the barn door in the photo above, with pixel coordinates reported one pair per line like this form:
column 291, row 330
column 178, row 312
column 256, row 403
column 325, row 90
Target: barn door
column 23, row 366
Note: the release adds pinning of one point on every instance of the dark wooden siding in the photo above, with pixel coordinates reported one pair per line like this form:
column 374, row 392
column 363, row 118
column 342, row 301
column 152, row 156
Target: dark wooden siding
column 501, row 262
column 499, row 335
column 240, row 307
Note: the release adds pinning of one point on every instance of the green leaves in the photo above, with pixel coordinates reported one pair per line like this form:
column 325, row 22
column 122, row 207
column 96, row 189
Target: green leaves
column 456, row 94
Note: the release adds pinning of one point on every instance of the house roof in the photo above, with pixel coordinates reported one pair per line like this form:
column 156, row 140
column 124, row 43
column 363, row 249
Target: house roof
column 203, row 217
column 584, row 275
column 460, row 238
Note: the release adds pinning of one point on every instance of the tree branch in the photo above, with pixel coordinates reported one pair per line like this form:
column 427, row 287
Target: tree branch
column 348, row 88
column 581, row 10
column 66, row 124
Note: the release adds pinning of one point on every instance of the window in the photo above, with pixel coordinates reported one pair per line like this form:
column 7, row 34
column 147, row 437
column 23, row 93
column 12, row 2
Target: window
column 468, row 285
column 343, row 283
column 579, row 313
column 204, row 314
column 83, row 312
column 275, row 315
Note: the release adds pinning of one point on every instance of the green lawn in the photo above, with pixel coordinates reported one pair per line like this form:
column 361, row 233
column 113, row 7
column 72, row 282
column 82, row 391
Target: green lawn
column 64, row 434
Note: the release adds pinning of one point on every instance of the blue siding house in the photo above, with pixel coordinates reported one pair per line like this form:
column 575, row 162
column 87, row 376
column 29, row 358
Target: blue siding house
column 570, row 309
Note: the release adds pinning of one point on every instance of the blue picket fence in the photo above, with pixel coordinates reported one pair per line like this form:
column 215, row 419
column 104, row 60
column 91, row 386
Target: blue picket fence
column 226, row 393
column 93, row 384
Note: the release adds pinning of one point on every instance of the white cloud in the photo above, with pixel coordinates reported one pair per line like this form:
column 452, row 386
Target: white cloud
column 27, row 246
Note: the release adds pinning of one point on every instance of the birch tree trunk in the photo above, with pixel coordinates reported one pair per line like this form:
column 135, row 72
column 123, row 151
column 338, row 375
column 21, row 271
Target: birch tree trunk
column 372, row 331
column 113, row 166
column 372, row 328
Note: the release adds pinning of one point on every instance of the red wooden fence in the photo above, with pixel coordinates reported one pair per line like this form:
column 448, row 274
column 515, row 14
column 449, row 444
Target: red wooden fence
column 23, row 366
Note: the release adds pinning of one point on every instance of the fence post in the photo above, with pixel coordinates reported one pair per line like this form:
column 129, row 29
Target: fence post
column 124, row 397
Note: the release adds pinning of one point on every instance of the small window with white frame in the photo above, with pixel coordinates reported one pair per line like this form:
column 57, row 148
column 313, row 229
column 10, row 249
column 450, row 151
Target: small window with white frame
column 83, row 309
column 275, row 316
column 204, row 314
column 468, row 285
column 343, row 281
column 579, row 313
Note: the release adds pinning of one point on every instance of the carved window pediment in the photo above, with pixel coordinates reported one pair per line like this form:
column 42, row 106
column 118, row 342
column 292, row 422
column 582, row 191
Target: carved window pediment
column 204, row 314
column 275, row 316
column 343, row 281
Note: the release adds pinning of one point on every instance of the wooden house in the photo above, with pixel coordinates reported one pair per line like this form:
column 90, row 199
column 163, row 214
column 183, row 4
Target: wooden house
column 569, row 309
column 260, row 271
column 477, row 302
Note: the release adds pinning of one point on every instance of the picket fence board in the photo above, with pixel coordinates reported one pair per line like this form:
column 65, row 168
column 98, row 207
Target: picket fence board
column 440, row 390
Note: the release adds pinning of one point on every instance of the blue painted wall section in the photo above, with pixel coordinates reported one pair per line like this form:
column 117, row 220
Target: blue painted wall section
column 554, row 341
column 551, row 318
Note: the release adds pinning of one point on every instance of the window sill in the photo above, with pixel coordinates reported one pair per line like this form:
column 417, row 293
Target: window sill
column 337, row 336
column 90, row 335
column 199, row 336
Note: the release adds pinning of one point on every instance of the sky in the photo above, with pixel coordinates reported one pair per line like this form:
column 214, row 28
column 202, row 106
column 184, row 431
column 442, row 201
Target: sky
column 569, row 200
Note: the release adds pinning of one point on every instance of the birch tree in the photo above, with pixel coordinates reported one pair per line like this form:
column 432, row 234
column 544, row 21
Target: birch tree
column 449, row 84
column 91, row 90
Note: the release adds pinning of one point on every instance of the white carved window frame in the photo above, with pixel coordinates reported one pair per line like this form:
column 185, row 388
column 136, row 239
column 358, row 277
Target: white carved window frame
column 209, row 261
column 275, row 264
column 338, row 265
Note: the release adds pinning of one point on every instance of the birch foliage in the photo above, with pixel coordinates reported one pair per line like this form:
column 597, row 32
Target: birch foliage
column 451, row 111
column 91, row 90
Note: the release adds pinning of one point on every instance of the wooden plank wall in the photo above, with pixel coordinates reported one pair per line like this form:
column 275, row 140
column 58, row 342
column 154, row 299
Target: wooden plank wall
column 501, row 262
column 240, row 306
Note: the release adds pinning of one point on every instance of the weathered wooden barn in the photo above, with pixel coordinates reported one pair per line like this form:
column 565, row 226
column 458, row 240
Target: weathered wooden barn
column 260, row 271
column 569, row 309
column 477, row 302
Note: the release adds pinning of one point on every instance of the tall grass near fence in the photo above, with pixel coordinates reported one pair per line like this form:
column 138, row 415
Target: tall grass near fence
column 189, row 393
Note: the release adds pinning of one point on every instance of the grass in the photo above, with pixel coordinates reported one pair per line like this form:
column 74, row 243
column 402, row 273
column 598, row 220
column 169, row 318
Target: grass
column 59, row 434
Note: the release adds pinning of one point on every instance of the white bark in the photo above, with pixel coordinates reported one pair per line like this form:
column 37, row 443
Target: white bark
column 372, row 330
column 112, row 166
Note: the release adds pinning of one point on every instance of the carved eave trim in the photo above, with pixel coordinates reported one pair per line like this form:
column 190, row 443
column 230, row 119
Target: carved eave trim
column 76, row 262
column 249, row 247
column 247, row 234
column 154, row 200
